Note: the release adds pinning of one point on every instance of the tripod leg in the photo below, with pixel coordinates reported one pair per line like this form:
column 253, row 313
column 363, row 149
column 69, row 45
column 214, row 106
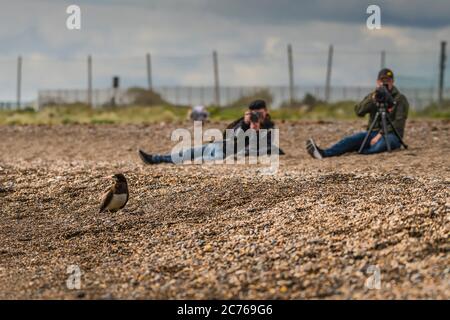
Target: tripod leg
column 397, row 134
column 369, row 132
column 385, row 132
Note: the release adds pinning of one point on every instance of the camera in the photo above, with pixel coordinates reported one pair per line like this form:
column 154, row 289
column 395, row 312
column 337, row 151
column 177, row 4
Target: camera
column 383, row 96
column 255, row 117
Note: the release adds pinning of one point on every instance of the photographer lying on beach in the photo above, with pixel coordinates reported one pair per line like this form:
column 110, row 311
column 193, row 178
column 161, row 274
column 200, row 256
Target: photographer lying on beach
column 396, row 112
column 256, row 118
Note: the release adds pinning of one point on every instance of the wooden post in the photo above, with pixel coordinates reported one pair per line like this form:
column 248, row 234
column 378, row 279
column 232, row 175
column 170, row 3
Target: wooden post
column 216, row 79
column 149, row 71
column 89, row 93
column 443, row 57
column 383, row 60
column 115, row 89
column 291, row 74
column 328, row 80
column 19, row 81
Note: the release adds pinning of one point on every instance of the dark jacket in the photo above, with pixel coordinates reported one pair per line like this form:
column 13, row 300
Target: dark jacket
column 239, row 126
column 397, row 114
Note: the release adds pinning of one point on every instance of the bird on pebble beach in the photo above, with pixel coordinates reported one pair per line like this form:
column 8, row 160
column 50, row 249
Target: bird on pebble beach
column 115, row 197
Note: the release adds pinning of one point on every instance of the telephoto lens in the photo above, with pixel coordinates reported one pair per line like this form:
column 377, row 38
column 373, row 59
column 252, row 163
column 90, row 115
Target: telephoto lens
column 382, row 95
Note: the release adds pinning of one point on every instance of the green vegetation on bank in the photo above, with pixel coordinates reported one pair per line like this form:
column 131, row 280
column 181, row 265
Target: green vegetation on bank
column 77, row 114
column 150, row 108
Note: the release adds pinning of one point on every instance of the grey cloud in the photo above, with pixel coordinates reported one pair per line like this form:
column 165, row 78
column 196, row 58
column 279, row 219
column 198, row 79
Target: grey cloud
column 408, row 13
column 411, row 13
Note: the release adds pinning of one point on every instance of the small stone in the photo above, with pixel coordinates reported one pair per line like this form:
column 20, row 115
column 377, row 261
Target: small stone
column 107, row 296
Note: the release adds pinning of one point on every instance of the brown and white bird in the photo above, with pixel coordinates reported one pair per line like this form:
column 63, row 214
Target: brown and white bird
column 115, row 197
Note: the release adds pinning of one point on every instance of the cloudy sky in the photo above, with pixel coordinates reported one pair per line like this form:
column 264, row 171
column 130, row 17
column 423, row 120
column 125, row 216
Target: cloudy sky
column 249, row 35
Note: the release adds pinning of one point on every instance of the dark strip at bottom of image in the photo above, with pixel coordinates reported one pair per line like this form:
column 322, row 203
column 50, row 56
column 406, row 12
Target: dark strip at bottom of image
column 219, row 309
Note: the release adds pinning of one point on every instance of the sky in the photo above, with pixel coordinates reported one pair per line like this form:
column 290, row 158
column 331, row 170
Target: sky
column 250, row 37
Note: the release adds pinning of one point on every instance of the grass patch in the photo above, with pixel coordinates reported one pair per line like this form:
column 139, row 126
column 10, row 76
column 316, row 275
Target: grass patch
column 82, row 114
column 339, row 110
column 434, row 111
column 76, row 114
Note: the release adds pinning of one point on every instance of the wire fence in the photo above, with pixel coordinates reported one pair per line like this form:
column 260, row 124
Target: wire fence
column 202, row 95
column 190, row 79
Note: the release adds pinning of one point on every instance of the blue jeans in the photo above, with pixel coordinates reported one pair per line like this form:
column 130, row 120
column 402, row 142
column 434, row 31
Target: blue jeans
column 353, row 143
column 206, row 152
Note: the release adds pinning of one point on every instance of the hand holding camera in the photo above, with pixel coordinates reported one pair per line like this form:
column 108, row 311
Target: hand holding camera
column 254, row 119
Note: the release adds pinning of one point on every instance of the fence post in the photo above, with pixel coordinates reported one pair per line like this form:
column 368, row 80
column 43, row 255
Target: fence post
column 149, row 71
column 443, row 57
column 328, row 80
column 89, row 93
column 216, row 78
column 19, row 81
column 291, row 74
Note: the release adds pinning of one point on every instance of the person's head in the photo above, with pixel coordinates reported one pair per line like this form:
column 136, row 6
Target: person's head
column 385, row 77
column 259, row 110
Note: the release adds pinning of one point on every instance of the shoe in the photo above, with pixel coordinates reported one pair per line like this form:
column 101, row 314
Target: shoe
column 147, row 158
column 313, row 150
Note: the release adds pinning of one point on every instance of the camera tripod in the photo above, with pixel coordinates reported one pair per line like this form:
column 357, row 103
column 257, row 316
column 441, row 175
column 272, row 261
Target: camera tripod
column 382, row 112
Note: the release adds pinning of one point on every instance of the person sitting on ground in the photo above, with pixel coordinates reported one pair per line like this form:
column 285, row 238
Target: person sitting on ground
column 397, row 113
column 256, row 117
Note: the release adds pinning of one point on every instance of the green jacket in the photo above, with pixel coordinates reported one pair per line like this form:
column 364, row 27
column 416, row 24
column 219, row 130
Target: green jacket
column 398, row 115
